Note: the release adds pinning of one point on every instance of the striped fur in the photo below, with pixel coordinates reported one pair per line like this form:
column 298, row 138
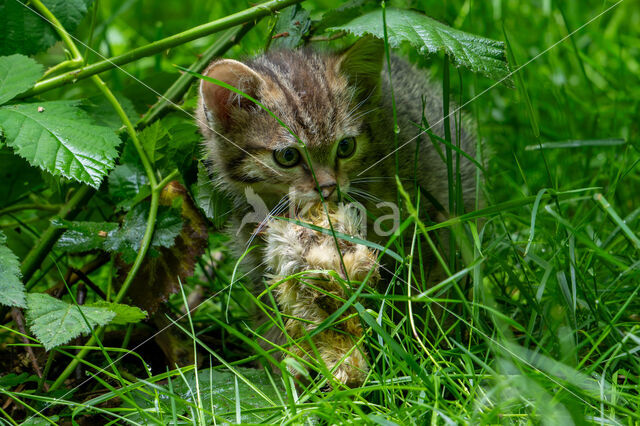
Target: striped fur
column 322, row 98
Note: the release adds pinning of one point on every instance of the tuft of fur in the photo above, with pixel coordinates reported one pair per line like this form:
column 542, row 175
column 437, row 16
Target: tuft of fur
column 308, row 299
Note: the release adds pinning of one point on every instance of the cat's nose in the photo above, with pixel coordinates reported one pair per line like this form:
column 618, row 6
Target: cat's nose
column 327, row 189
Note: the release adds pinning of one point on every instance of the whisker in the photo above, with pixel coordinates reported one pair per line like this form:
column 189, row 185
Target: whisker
column 362, row 114
column 359, row 104
column 364, row 194
column 377, row 179
column 277, row 209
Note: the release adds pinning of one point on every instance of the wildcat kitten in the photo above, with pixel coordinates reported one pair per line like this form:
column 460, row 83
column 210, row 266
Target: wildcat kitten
column 340, row 106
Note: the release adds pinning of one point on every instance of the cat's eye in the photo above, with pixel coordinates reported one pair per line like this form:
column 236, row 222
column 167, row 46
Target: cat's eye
column 287, row 157
column 346, row 147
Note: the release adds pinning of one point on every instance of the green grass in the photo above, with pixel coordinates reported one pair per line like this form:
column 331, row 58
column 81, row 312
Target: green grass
column 541, row 313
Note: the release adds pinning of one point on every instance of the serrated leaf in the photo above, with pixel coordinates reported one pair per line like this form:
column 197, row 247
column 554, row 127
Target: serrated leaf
column 125, row 314
column 128, row 237
column 344, row 13
column 55, row 322
column 149, row 137
column 25, row 31
column 11, row 288
column 128, row 184
column 176, row 149
column 215, row 206
column 60, row 138
column 83, row 236
column 479, row 54
column 160, row 276
column 293, row 23
column 17, row 74
column 170, row 143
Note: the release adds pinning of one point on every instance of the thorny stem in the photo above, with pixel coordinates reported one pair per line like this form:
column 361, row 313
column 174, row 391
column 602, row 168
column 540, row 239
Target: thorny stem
column 239, row 18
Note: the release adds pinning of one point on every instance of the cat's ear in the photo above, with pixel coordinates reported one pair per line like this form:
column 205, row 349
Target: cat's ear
column 362, row 64
column 220, row 101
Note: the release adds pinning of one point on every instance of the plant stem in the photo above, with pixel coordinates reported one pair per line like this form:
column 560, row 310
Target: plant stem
column 150, row 49
column 34, row 206
column 155, row 194
column 181, row 85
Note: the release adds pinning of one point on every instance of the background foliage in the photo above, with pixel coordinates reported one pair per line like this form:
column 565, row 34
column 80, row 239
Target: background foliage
column 102, row 193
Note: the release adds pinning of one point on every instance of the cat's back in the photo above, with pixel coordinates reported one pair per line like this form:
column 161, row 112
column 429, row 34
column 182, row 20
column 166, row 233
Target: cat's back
column 419, row 106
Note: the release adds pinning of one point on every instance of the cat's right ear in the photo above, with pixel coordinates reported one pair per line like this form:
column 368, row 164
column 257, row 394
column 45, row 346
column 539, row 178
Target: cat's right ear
column 220, row 102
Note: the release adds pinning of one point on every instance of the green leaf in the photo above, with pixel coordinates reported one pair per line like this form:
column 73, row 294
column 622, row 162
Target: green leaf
column 17, row 74
column 479, row 54
column 160, row 276
column 25, row 31
column 170, row 143
column 127, row 239
column 11, row 380
column 293, row 23
column 83, row 236
column 215, row 206
column 55, row 322
column 224, row 392
column 149, row 138
column 11, row 288
column 128, row 184
column 176, row 149
column 125, row 314
column 344, row 13
column 101, row 111
column 60, row 138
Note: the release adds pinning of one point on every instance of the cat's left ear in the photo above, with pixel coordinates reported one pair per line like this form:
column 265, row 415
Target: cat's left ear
column 362, row 64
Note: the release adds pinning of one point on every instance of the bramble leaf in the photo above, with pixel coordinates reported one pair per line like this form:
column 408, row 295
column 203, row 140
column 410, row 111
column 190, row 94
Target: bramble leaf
column 125, row 314
column 128, row 237
column 83, row 236
column 149, row 137
column 25, row 31
column 479, row 54
column 60, row 138
column 128, row 184
column 176, row 147
column 293, row 23
column 344, row 13
column 160, row 276
column 11, row 288
column 17, row 74
column 55, row 322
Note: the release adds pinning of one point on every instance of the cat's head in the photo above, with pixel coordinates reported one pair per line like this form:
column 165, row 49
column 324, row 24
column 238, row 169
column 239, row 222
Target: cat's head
column 322, row 98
